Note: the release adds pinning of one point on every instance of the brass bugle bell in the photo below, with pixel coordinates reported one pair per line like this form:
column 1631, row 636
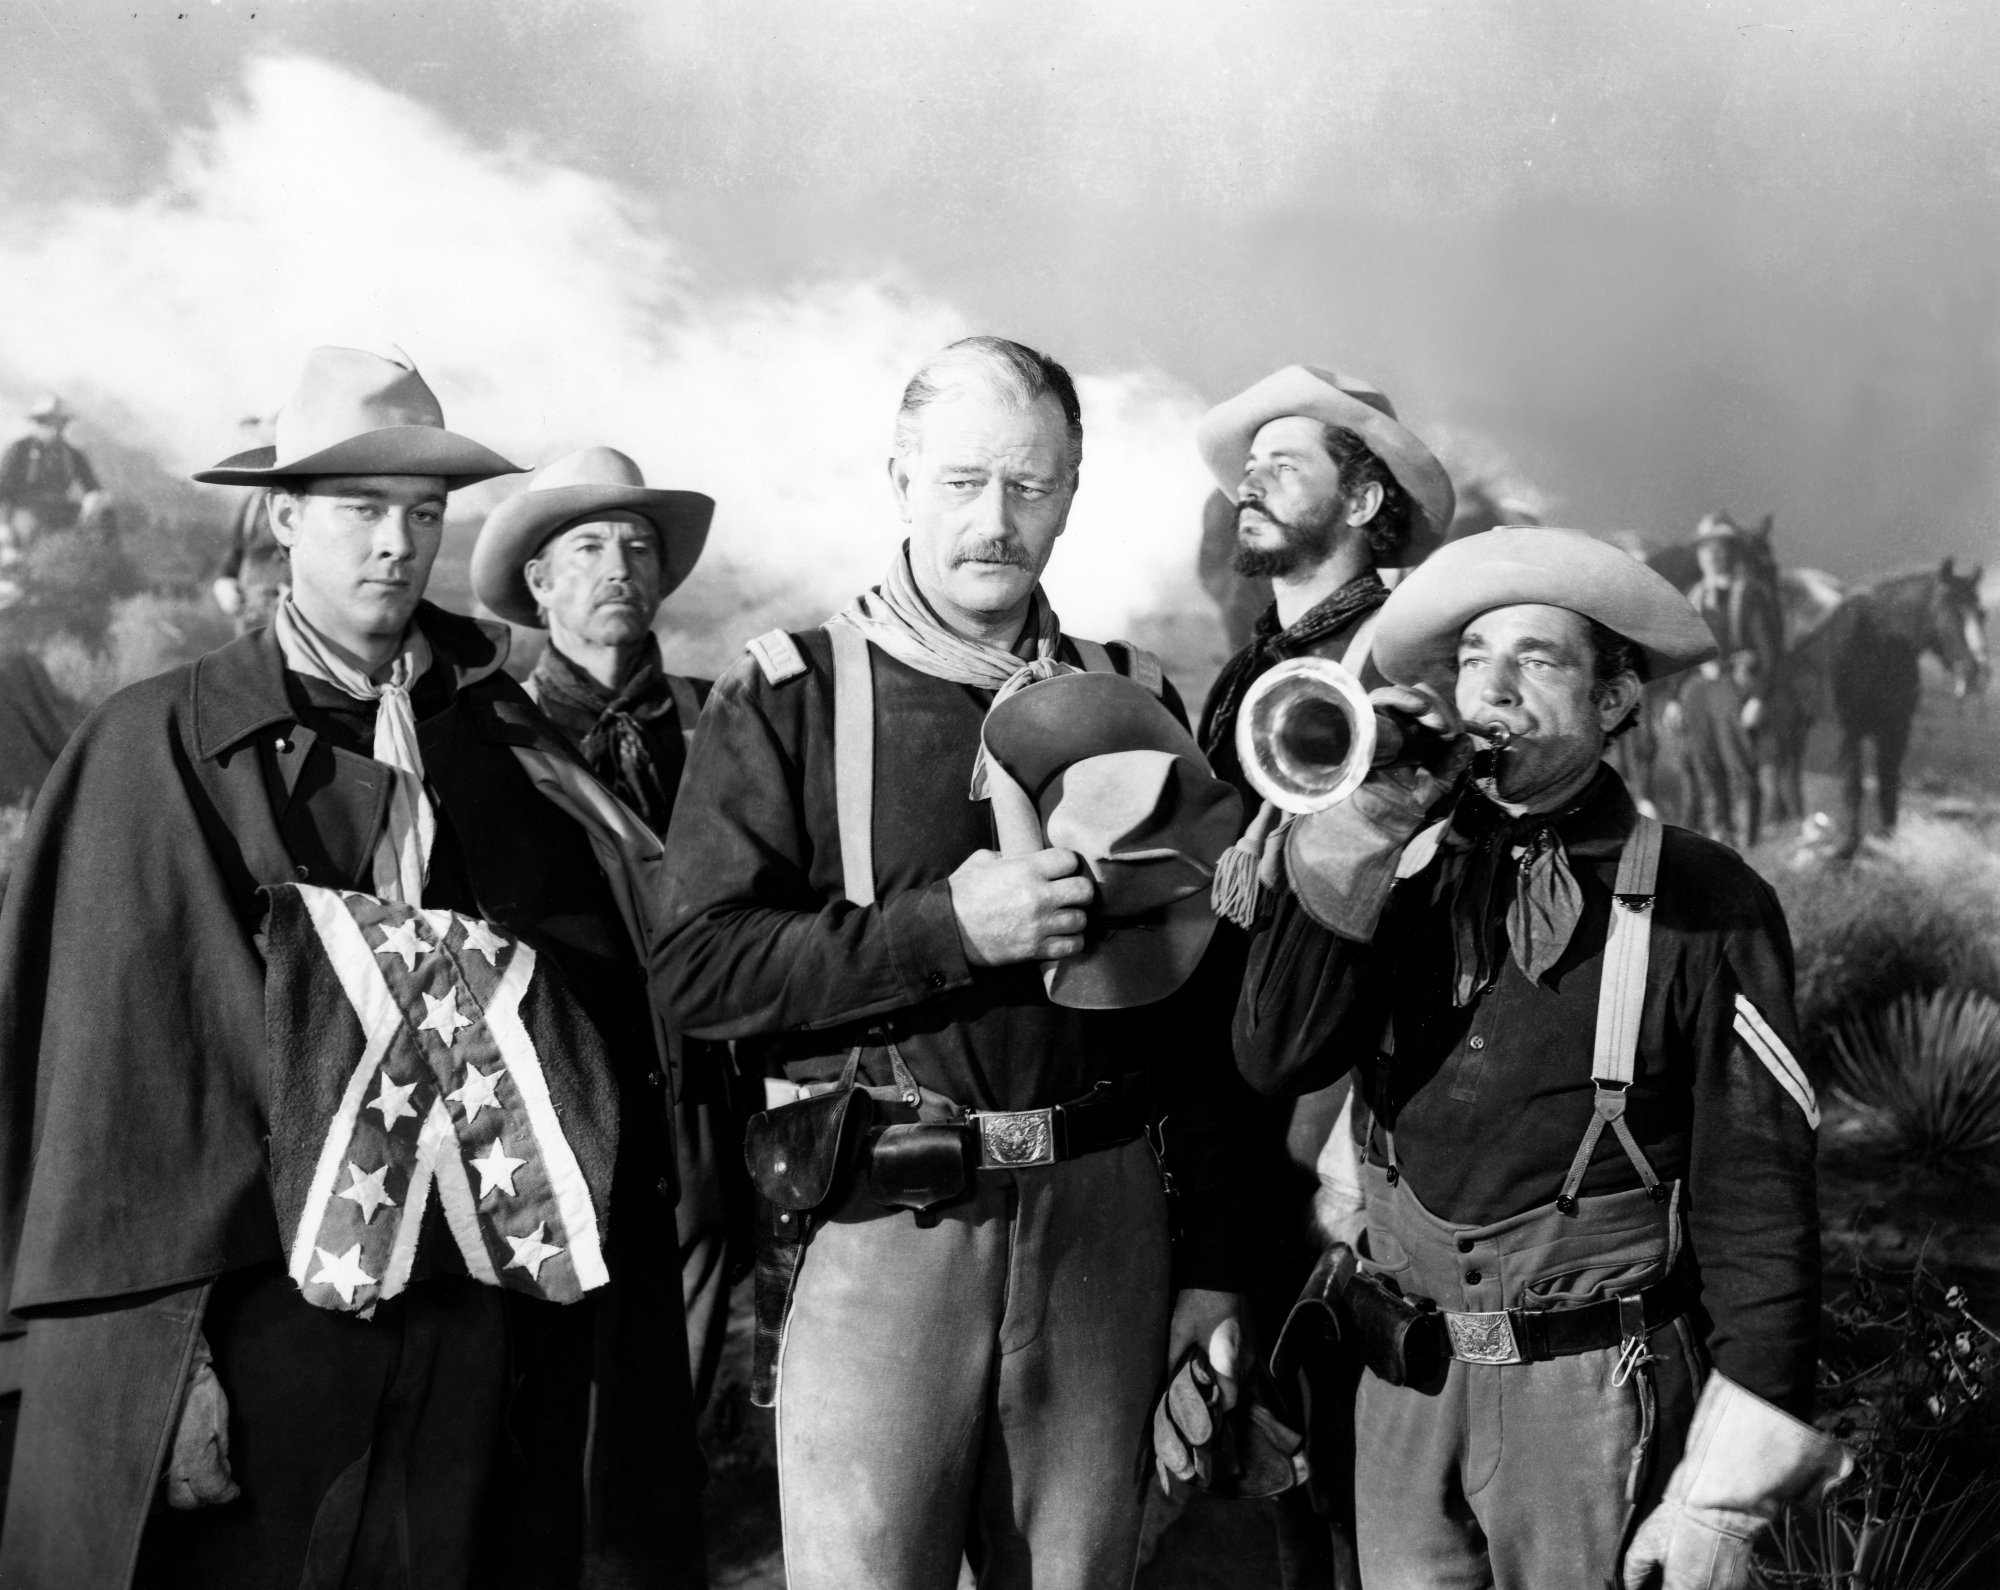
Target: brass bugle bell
column 1307, row 735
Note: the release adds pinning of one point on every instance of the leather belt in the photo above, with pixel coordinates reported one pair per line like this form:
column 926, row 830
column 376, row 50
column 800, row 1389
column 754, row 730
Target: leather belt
column 1109, row 1116
column 1526, row 1336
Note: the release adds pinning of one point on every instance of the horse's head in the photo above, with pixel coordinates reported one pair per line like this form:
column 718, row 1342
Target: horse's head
column 1958, row 628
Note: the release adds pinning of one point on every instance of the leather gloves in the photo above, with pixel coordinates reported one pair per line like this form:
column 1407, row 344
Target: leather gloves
column 1243, row 1453
column 198, row 1467
column 1746, row 1461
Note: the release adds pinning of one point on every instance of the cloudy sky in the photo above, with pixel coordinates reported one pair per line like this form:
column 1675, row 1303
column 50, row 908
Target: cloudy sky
column 1663, row 256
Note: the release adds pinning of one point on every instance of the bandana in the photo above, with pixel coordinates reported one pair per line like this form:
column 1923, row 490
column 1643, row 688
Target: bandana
column 1511, row 886
column 1270, row 644
column 403, row 853
column 895, row 617
column 611, row 726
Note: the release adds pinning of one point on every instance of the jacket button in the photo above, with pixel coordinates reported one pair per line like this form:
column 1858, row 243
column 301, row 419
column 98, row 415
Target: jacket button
column 654, row 1078
column 936, row 979
column 1465, row 1244
column 664, row 1187
column 1472, row 1278
column 302, row 872
column 1478, row 1043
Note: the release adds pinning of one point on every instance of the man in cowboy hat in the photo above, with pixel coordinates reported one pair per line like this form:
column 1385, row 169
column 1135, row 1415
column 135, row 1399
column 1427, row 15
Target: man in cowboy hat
column 254, row 571
column 871, row 901
column 1592, row 1152
column 1326, row 486
column 314, row 1418
column 46, row 482
column 589, row 552
column 1720, row 707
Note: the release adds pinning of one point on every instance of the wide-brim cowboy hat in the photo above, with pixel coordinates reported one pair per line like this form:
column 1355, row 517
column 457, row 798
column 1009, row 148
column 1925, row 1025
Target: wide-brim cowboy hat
column 1227, row 430
column 1418, row 628
column 50, row 409
column 575, row 489
column 358, row 413
column 1114, row 776
column 1718, row 527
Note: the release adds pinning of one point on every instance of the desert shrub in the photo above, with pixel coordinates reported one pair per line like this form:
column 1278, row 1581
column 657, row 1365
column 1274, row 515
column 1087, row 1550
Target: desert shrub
column 1906, row 1372
column 1920, row 915
column 151, row 633
column 1924, row 1074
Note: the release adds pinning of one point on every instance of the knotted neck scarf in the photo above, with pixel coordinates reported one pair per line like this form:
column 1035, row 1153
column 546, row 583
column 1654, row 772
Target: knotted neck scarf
column 403, row 852
column 1270, row 644
column 1511, row 888
column 895, row 617
column 611, row 727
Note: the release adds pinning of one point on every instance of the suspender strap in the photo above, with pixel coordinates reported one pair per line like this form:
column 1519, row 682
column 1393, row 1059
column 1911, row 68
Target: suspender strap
column 854, row 760
column 686, row 707
column 1096, row 658
column 1621, row 1002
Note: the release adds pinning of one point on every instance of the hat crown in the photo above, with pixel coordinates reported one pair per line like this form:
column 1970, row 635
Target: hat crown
column 347, row 392
column 1361, row 391
column 588, row 466
column 48, row 407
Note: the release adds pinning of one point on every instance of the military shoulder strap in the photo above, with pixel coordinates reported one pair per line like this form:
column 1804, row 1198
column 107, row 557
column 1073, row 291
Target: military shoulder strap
column 778, row 655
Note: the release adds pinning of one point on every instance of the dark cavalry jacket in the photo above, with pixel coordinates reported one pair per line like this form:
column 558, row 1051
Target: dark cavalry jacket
column 1488, row 1102
column 42, row 472
column 133, row 1160
column 762, row 945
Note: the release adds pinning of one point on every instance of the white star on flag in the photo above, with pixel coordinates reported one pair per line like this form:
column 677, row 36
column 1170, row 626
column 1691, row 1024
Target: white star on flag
column 343, row 1274
column 531, row 1252
column 477, row 1094
column 497, row 1169
column 441, row 1016
column 366, row 1190
column 480, row 937
column 402, row 940
column 393, row 1101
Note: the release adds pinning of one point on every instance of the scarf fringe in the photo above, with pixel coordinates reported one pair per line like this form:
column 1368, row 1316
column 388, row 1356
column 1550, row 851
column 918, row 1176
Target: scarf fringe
column 1240, row 892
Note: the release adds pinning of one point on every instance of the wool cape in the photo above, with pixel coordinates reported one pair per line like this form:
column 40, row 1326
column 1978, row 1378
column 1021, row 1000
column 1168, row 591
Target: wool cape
column 133, row 1071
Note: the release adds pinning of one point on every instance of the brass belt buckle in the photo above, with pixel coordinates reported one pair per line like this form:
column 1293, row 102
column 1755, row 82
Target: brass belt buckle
column 1486, row 1338
column 1013, row 1139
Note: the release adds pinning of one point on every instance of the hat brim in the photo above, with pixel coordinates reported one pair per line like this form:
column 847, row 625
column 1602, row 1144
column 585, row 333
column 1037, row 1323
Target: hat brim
column 1227, row 430
column 1045, row 727
column 1417, row 634
column 393, row 450
column 522, row 525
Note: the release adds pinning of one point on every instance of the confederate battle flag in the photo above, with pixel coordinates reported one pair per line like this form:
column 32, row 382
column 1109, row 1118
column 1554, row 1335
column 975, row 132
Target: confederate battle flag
column 417, row 1053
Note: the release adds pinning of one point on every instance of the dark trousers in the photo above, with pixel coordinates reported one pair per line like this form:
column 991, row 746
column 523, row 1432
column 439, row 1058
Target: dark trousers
column 707, row 1147
column 363, row 1447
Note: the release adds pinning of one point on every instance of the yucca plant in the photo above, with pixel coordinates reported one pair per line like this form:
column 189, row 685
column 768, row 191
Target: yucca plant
column 1908, row 1372
column 1924, row 1074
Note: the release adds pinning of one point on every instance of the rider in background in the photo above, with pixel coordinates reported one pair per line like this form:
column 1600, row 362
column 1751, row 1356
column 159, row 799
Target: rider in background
column 1721, row 706
column 256, row 571
column 46, row 482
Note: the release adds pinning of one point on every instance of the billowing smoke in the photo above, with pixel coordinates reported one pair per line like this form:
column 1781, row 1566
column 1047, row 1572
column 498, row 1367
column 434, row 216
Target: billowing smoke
column 549, row 309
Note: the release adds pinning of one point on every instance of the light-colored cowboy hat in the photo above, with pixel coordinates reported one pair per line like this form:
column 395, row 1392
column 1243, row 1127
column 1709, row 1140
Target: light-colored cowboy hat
column 1718, row 527
column 50, row 409
column 1227, row 430
column 357, row 413
column 1114, row 777
column 576, row 489
column 1417, row 632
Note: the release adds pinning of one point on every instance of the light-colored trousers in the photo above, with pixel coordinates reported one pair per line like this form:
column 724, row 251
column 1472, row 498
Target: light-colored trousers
column 980, row 1386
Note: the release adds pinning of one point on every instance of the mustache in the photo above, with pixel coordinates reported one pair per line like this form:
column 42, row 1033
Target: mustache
column 1002, row 552
column 1251, row 506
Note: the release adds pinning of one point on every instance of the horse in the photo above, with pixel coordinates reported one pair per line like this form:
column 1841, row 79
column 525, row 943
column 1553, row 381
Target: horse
column 1868, row 653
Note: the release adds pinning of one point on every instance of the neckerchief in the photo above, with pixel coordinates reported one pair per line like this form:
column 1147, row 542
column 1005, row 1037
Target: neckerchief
column 1510, row 884
column 896, row 617
column 1271, row 643
column 403, row 853
column 610, row 726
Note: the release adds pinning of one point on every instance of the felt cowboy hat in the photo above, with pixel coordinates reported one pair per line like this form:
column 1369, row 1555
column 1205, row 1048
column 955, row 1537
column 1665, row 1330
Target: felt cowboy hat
column 50, row 409
column 1113, row 776
column 1417, row 633
column 357, row 413
column 1227, row 430
column 1718, row 527
column 576, row 489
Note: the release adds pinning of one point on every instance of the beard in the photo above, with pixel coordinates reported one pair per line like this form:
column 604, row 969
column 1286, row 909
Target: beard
column 1302, row 543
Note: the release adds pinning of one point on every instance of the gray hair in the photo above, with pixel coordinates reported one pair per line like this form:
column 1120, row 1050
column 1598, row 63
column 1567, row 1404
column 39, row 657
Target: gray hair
column 1013, row 370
